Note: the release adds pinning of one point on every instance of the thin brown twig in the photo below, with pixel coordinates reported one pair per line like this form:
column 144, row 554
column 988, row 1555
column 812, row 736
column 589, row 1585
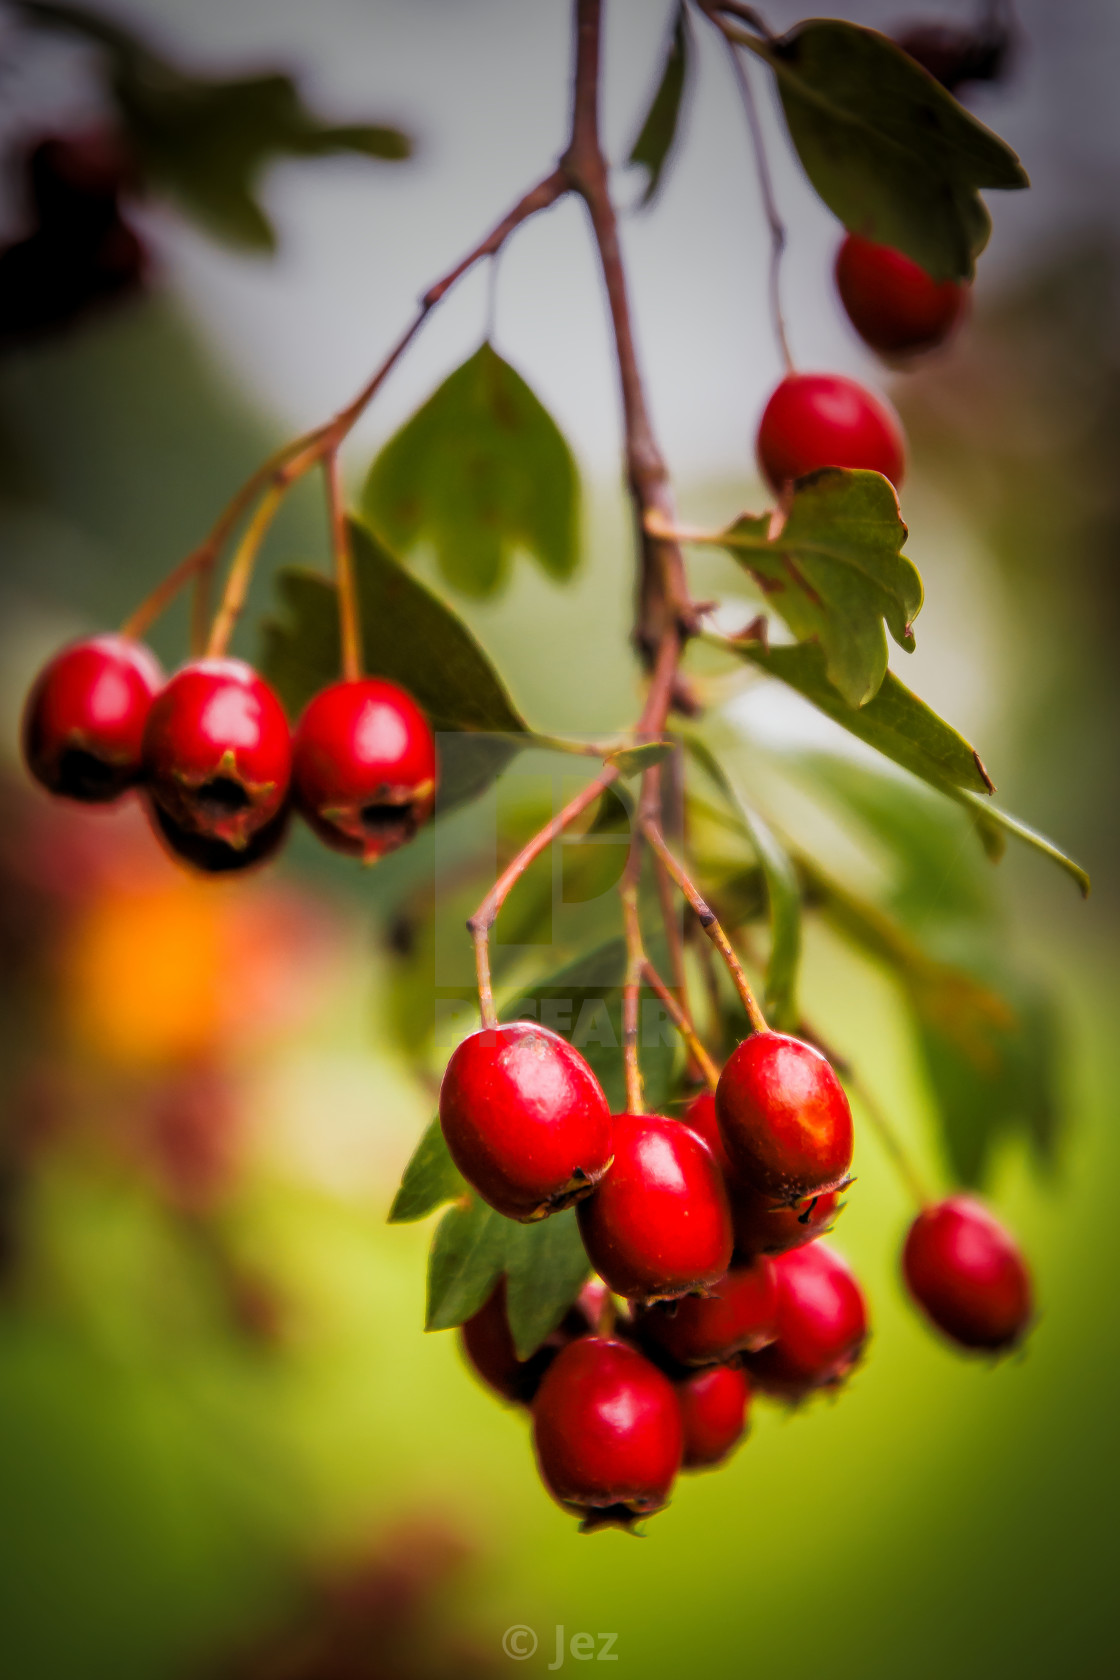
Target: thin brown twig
column 683, row 1023
column 707, row 919
column 635, row 963
column 349, row 616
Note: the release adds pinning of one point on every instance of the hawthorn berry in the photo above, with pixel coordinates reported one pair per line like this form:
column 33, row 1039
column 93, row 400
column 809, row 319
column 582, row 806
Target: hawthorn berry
column 784, row 1118
column 211, row 856
column 893, row 303
column 524, row 1119
column 815, row 420
column 659, row 1225
column 967, row 1274
column 83, row 724
column 738, row 1313
column 218, row 751
column 364, row 767
column 821, row 1324
column 713, row 1407
column 607, row 1431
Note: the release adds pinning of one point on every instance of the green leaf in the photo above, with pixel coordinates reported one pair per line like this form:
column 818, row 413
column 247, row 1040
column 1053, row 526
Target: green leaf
column 430, row 1179
column 479, row 472
column 651, row 149
column 783, row 893
column 207, row 142
column 410, row 636
column 890, row 152
column 631, row 761
column 465, row 1262
column 546, row 1268
column 993, row 824
column 835, row 571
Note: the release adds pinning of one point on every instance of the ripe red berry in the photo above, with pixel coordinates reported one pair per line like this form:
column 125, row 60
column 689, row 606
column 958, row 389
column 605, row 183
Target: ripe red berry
column 784, row 1118
column 83, row 723
column 815, row 420
column 217, row 751
column 524, row 1119
column 739, row 1313
column 607, row 1432
column 714, row 1412
column 966, row 1272
column 763, row 1227
column 211, row 856
column 659, row 1225
column 364, row 767
column 821, row 1322
column 891, row 302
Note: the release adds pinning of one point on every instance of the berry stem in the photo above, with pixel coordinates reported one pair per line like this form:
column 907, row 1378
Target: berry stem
column 241, row 568
column 349, row 619
column 683, row 1024
column 708, row 922
column 635, row 964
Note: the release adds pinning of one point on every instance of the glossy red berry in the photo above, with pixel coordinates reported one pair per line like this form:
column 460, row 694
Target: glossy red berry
column 821, row 1323
column 815, row 420
column 83, row 724
column 364, row 767
column 738, row 1314
column 784, row 1118
column 524, row 1119
column 211, row 856
column 765, row 1227
column 892, row 303
column 217, row 751
column 659, row 1225
column 967, row 1274
column 714, row 1412
column 607, row 1432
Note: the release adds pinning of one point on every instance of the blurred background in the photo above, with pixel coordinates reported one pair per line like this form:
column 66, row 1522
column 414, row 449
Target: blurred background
column 226, row 1447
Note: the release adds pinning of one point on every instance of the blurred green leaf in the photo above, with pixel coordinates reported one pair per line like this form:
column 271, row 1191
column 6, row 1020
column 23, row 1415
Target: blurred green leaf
column 430, row 1179
column 546, row 1268
column 465, row 1262
column 479, row 472
column 890, row 152
column 651, row 149
column 410, row 636
column 835, row 571
column 631, row 761
column 208, row 142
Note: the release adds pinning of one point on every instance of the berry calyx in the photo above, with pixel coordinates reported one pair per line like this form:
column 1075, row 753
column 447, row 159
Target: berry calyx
column 525, row 1119
column 784, row 1118
column 607, row 1432
column 217, row 751
column 713, row 1407
column 821, row 1323
column 892, row 303
column 211, row 856
column 83, row 724
column 659, row 1225
column 815, row 420
column 364, row 767
column 967, row 1274
column 739, row 1313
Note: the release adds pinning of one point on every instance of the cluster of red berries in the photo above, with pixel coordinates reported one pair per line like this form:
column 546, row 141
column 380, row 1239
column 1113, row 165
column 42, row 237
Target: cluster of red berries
column 708, row 1229
column 213, row 755
column 815, row 420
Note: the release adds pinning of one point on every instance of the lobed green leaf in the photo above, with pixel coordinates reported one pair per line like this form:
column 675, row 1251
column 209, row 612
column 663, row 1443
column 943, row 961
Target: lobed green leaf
column 430, row 1179
column 546, row 1268
column 480, row 471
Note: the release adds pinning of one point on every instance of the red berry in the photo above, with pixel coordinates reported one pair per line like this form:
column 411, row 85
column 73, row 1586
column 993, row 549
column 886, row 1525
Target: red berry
column 816, row 420
column 524, row 1119
column 607, row 1432
column 821, row 1321
column 217, row 751
column 739, row 1313
column 784, row 1118
column 488, row 1345
column 364, row 767
column 701, row 1116
column 713, row 1407
column 966, row 1272
column 217, row 857
column 659, row 1225
column 762, row 1227
column 891, row 302
column 83, row 724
